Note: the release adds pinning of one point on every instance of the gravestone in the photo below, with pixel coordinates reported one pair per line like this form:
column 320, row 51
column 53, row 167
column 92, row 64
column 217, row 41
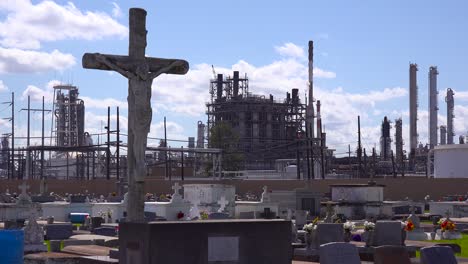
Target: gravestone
column 328, row 232
column 391, row 255
column 215, row 241
column 222, row 203
column 140, row 72
column 387, row 233
column 33, row 236
column 265, row 195
column 329, row 214
column 438, row 255
column 301, row 218
column 247, row 215
column 417, row 233
column 339, row 253
column 23, row 198
column 58, row 231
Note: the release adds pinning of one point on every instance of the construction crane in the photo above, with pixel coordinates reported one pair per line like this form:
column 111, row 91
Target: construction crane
column 214, row 72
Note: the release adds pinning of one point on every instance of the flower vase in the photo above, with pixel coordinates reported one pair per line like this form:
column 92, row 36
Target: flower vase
column 310, row 239
column 370, row 238
column 347, row 236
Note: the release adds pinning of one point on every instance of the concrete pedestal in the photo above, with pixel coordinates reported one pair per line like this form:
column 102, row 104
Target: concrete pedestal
column 211, row 241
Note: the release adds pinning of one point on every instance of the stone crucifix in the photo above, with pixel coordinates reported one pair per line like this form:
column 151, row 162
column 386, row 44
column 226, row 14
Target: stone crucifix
column 140, row 72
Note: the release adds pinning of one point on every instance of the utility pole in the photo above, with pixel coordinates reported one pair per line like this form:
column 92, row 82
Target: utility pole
column 165, row 152
column 28, row 152
column 359, row 150
column 108, row 144
column 42, row 141
column 349, row 158
column 118, row 144
column 307, row 152
column 182, row 161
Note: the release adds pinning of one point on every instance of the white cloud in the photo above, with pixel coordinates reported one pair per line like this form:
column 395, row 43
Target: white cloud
column 27, row 25
column 3, row 87
column 116, row 11
column 37, row 93
column 290, row 50
column 103, row 103
column 28, row 61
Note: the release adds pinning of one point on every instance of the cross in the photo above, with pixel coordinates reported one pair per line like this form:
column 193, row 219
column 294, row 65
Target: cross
column 222, row 202
column 140, row 72
column 23, row 187
column 176, row 188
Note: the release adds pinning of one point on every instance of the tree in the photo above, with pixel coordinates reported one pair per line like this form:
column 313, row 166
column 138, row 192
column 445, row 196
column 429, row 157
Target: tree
column 223, row 136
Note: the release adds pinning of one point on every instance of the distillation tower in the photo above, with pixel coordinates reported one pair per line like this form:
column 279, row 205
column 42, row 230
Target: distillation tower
column 413, row 114
column 69, row 114
column 450, row 106
column 433, row 107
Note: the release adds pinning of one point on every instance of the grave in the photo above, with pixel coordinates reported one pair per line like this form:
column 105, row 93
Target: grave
column 456, row 209
column 58, row 231
column 360, row 201
column 437, row 255
column 21, row 209
column 61, row 210
column 176, row 209
column 339, row 253
column 387, row 233
column 417, row 233
column 257, row 207
column 213, row 241
column 209, row 195
column 33, row 236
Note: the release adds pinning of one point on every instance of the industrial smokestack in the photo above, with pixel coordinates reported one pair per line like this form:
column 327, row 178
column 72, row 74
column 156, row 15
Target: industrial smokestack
column 399, row 140
column 236, row 83
column 413, row 103
column 200, row 135
column 310, row 106
column 433, row 107
column 450, row 106
column 219, row 87
column 319, row 120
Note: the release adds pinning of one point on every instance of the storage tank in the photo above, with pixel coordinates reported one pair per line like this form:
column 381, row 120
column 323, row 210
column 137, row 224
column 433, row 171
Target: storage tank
column 450, row 161
column 11, row 246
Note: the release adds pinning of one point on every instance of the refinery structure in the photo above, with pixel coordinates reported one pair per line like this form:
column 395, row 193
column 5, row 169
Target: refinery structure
column 246, row 135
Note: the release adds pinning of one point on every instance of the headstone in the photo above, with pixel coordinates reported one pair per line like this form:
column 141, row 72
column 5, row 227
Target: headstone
column 58, row 231
column 328, row 232
column 329, row 214
column 387, row 233
column 417, row 233
column 23, row 198
column 391, row 255
column 339, row 253
column 176, row 197
column 33, row 236
column 438, row 255
column 265, row 195
column 301, row 218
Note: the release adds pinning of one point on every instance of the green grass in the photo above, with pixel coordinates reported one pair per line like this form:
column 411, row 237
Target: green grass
column 463, row 243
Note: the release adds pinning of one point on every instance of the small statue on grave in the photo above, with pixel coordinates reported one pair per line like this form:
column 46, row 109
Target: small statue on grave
column 265, row 195
column 329, row 214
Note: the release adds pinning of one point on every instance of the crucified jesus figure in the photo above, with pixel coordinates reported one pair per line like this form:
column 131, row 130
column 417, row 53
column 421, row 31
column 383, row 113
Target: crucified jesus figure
column 140, row 72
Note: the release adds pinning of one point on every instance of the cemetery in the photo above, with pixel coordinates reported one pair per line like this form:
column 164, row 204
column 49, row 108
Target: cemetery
column 225, row 221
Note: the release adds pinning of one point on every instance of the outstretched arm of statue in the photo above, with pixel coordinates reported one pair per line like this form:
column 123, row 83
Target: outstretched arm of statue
column 104, row 60
column 166, row 69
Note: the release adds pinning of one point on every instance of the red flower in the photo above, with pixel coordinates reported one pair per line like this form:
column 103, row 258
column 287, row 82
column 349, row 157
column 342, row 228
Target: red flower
column 180, row 215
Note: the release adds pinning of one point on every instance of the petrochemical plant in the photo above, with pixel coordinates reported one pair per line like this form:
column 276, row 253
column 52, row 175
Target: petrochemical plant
column 246, row 135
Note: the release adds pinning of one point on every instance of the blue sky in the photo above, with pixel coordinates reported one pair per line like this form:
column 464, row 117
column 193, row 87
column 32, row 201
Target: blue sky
column 362, row 55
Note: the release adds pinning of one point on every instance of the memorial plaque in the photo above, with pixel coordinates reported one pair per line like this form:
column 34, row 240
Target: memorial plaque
column 223, row 248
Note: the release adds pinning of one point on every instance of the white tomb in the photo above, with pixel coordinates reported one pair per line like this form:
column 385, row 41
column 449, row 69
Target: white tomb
column 257, row 207
column 172, row 209
column 209, row 195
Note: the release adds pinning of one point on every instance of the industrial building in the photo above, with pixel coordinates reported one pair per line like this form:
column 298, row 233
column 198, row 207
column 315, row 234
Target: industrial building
column 268, row 128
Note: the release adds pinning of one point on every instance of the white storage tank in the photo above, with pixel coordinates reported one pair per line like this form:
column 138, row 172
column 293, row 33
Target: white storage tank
column 451, row 161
